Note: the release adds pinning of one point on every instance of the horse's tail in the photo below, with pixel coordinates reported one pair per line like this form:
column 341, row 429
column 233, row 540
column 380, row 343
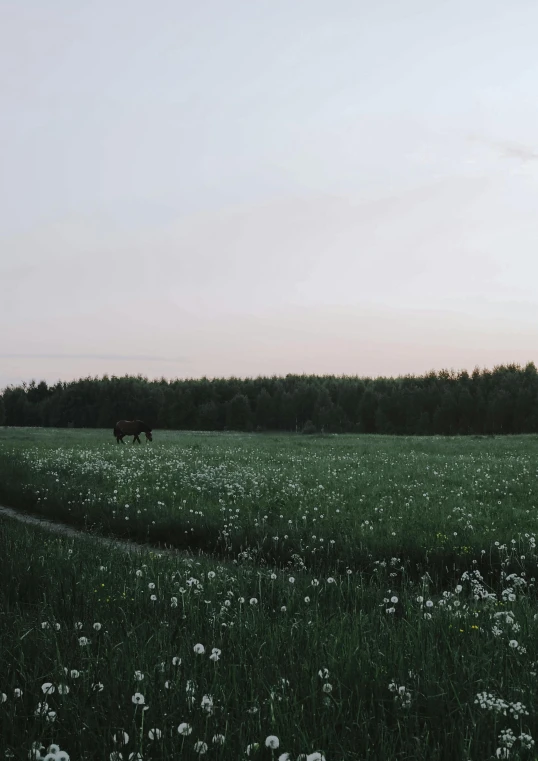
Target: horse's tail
column 116, row 431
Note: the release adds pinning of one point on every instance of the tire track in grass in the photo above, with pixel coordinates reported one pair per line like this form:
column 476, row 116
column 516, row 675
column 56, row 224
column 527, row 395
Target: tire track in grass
column 63, row 529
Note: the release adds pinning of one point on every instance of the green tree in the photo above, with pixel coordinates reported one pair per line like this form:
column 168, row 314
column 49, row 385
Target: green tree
column 239, row 414
column 265, row 410
column 208, row 416
column 502, row 400
column 367, row 411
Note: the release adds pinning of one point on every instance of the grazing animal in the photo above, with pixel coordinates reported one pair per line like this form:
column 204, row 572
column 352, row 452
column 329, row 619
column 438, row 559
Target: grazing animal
column 131, row 428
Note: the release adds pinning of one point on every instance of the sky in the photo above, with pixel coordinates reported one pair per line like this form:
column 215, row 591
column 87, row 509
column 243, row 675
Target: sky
column 261, row 188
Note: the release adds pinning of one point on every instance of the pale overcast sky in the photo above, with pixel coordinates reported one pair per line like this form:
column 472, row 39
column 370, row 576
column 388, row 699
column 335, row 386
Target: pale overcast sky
column 271, row 186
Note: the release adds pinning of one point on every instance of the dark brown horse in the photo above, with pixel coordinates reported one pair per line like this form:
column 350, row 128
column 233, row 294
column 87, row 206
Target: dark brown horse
column 131, row 428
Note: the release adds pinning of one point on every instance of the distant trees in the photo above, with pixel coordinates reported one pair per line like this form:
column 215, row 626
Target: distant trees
column 266, row 407
column 239, row 414
column 502, row 400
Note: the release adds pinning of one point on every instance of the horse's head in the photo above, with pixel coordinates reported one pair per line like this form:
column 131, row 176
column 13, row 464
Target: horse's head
column 149, row 436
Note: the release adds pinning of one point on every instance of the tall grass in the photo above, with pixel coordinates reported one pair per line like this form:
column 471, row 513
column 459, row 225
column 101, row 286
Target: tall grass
column 337, row 503
column 401, row 677
column 412, row 636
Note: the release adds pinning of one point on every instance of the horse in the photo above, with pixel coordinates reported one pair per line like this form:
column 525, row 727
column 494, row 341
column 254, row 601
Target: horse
column 131, row 428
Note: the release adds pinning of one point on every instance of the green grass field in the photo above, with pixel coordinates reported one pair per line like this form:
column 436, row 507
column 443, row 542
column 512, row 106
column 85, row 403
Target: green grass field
column 367, row 597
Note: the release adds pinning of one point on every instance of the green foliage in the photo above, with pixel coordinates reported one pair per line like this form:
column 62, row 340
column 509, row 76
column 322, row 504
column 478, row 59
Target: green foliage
column 239, row 414
column 504, row 400
column 348, row 501
column 419, row 654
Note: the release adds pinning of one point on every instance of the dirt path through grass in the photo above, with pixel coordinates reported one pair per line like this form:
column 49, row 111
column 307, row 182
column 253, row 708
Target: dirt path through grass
column 63, row 529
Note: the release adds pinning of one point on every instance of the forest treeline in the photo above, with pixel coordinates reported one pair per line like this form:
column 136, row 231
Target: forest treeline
column 502, row 400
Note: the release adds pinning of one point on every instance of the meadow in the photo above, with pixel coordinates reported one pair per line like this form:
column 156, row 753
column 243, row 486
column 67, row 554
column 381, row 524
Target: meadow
column 357, row 598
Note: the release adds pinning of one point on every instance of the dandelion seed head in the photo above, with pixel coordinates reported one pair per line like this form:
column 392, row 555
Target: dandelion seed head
column 120, row 738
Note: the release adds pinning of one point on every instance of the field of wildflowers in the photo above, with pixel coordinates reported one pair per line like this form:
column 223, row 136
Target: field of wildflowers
column 359, row 598
column 334, row 502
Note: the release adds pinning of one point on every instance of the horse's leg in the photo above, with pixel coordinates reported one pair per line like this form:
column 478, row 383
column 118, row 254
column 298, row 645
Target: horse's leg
column 136, row 438
column 121, row 438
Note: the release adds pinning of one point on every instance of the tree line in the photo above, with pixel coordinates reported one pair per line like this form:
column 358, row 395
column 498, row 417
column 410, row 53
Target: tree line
column 499, row 401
